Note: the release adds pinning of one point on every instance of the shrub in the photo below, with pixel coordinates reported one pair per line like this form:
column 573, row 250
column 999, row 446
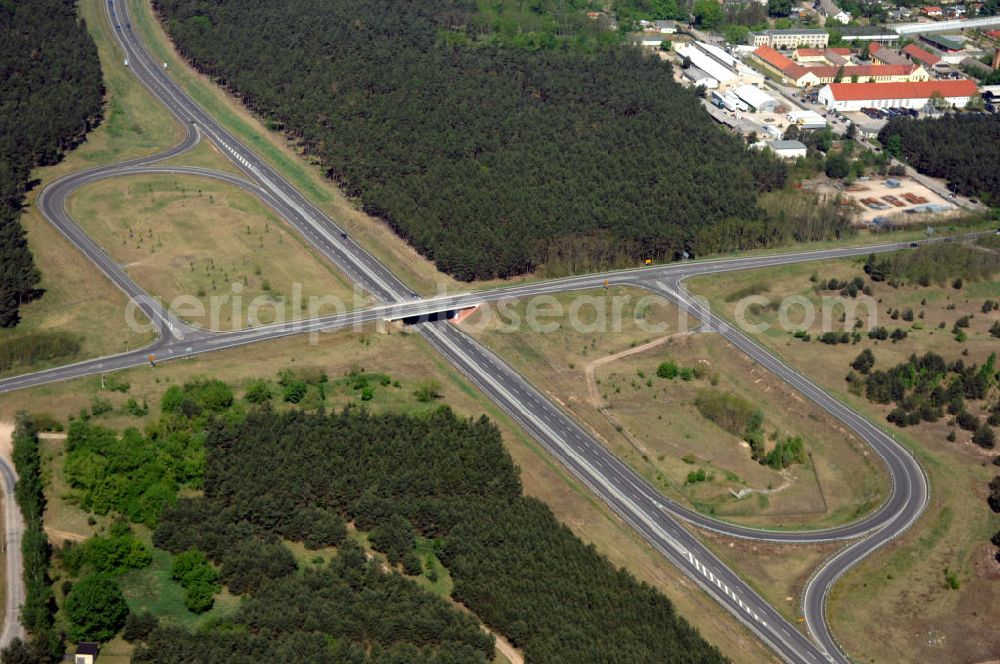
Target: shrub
column 199, row 579
column 668, row 370
column 864, row 361
column 785, row 453
column 133, row 408
column 967, row 421
column 138, row 626
column 880, row 333
column 729, row 411
column 96, row 609
column 99, row 406
column 427, row 391
column 696, row 476
column 984, row 437
column 295, row 391
column 259, row 391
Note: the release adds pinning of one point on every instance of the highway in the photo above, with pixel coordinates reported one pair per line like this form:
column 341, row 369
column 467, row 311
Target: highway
column 654, row 517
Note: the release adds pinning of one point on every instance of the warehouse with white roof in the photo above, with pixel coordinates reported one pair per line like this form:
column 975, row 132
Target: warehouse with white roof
column 758, row 100
column 855, row 96
column 705, row 59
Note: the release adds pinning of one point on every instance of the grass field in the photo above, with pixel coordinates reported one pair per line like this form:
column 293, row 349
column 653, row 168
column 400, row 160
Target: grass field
column 897, row 606
column 186, row 236
column 408, row 359
column 654, row 425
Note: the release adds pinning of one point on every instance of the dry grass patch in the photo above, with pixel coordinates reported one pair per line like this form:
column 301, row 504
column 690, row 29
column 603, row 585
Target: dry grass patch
column 653, row 423
column 779, row 572
column 184, row 236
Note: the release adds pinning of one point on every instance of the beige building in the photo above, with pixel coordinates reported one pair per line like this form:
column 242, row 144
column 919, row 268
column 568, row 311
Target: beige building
column 790, row 38
column 802, row 76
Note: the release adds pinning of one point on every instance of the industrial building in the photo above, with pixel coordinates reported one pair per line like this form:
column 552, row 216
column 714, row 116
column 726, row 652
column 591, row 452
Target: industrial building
column 706, row 63
column 945, row 44
column 729, row 101
column 788, row 149
column 756, row 99
column 855, row 96
column 789, row 38
column 807, row 119
column 870, row 34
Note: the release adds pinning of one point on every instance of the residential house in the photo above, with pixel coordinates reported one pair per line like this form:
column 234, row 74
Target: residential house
column 832, row 12
column 86, row 653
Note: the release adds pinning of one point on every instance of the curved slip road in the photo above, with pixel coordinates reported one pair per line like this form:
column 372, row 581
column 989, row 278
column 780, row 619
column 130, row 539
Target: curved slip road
column 653, row 516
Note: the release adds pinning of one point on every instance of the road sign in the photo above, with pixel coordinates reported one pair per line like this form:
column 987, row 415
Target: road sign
column 152, row 360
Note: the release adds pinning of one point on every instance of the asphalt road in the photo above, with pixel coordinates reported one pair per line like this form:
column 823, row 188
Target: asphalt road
column 653, row 516
column 13, row 532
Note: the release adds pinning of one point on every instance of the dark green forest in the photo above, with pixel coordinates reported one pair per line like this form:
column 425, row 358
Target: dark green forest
column 959, row 148
column 227, row 480
column 439, row 476
column 44, row 643
column 51, row 93
column 491, row 160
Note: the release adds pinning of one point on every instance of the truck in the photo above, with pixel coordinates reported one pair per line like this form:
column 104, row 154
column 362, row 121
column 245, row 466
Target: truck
column 729, row 102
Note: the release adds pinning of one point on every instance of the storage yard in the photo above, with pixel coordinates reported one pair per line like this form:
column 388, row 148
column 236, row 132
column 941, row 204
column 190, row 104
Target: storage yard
column 899, row 200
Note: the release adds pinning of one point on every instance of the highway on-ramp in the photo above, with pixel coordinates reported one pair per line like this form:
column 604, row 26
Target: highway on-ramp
column 653, row 516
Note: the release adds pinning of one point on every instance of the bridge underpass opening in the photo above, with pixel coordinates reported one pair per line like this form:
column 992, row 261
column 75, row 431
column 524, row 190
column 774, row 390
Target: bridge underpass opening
column 453, row 314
